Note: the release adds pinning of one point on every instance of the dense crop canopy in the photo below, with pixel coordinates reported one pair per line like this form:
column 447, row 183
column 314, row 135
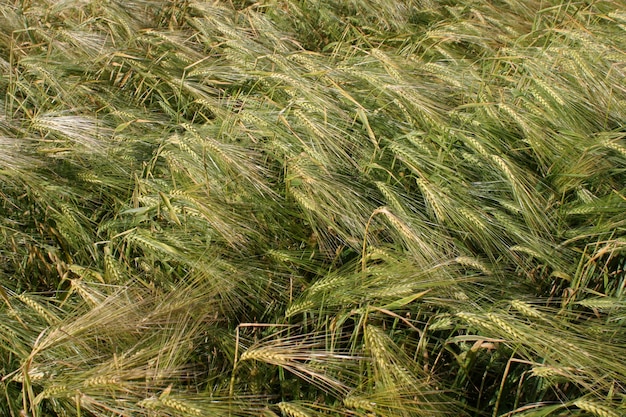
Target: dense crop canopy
column 307, row 208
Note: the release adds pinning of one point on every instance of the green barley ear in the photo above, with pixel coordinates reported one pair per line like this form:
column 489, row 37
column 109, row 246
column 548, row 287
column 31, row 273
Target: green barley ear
column 290, row 409
column 596, row 408
column 527, row 310
column 113, row 270
column 38, row 308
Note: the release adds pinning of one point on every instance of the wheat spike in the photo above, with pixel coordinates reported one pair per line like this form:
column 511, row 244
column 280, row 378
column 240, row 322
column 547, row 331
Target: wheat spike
column 305, row 61
column 45, row 314
column 527, row 250
column 354, row 401
column 406, row 155
column 545, row 371
column 441, row 323
column 442, row 73
column 391, row 197
column 288, row 80
column 473, row 218
column 526, row 309
column 308, row 123
column 475, row 320
column 445, row 53
column 101, row 381
column 299, row 307
column 178, row 141
column 390, row 67
column 179, row 405
column 581, row 63
column 472, row 159
column 477, row 146
column 472, row 262
column 292, row 410
column 280, row 61
column 213, row 145
column 90, row 177
column 112, row 269
column 303, row 200
column 404, row 376
column 376, row 345
column 515, row 116
column 593, row 407
column 407, row 114
column 433, row 199
column 371, row 79
column 393, row 291
column 265, row 354
column 601, row 303
column 499, row 322
column 504, row 167
column 151, row 403
column 54, row 391
column 549, row 90
column 155, row 245
column 539, row 99
column 78, row 286
column 329, row 282
column 616, row 147
column 397, row 223
column 33, row 374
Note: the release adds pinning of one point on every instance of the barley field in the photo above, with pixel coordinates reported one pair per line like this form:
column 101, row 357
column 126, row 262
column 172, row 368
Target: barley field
column 307, row 208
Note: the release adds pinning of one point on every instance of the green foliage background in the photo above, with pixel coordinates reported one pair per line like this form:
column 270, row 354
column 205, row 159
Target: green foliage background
column 312, row 207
